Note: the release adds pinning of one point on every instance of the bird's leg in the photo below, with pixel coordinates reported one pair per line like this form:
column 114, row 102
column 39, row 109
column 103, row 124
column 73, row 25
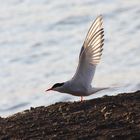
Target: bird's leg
column 81, row 98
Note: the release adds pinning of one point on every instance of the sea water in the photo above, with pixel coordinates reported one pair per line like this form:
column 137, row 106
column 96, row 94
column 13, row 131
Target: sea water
column 40, row 41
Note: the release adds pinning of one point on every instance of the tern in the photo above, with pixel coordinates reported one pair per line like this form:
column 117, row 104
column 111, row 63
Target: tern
column 89, row 57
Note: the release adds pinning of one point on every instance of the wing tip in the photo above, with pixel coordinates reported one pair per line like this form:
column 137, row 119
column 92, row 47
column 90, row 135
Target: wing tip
column 100, row 16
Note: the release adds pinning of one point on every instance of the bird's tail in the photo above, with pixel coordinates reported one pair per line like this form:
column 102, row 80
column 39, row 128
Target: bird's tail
column 94, row 90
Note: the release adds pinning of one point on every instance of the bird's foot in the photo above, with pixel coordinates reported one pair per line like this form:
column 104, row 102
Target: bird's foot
column 81, row 98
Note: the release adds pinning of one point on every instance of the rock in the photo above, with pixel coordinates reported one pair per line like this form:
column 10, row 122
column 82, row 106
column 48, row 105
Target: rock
column 109, row 117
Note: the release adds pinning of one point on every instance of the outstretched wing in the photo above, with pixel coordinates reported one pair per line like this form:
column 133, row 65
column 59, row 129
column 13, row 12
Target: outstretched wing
column 90, row 54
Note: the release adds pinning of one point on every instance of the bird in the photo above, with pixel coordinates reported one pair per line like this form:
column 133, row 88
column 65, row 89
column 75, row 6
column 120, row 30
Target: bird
column 89, row 58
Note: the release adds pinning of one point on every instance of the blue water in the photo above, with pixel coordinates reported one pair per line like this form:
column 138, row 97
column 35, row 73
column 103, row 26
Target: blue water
column 40, row 42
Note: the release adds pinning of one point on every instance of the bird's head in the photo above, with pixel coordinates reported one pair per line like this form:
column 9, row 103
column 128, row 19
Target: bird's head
column 56, row 87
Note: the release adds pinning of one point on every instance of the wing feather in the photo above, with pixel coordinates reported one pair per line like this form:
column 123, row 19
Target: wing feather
column 94, row 41
column 90, row 54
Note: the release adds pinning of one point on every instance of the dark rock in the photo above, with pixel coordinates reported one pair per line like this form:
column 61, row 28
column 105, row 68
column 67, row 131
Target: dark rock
column 109, row 117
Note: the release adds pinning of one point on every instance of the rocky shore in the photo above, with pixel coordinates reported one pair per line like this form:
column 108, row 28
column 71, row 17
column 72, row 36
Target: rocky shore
column 109, row 117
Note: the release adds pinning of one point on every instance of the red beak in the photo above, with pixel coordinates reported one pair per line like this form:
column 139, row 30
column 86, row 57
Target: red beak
column 48, row 89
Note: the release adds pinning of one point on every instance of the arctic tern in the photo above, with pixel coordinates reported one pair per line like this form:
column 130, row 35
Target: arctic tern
column 89, row 57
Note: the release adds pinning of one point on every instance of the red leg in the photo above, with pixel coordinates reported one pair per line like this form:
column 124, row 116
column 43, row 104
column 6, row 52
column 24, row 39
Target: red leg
column 81, row 98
